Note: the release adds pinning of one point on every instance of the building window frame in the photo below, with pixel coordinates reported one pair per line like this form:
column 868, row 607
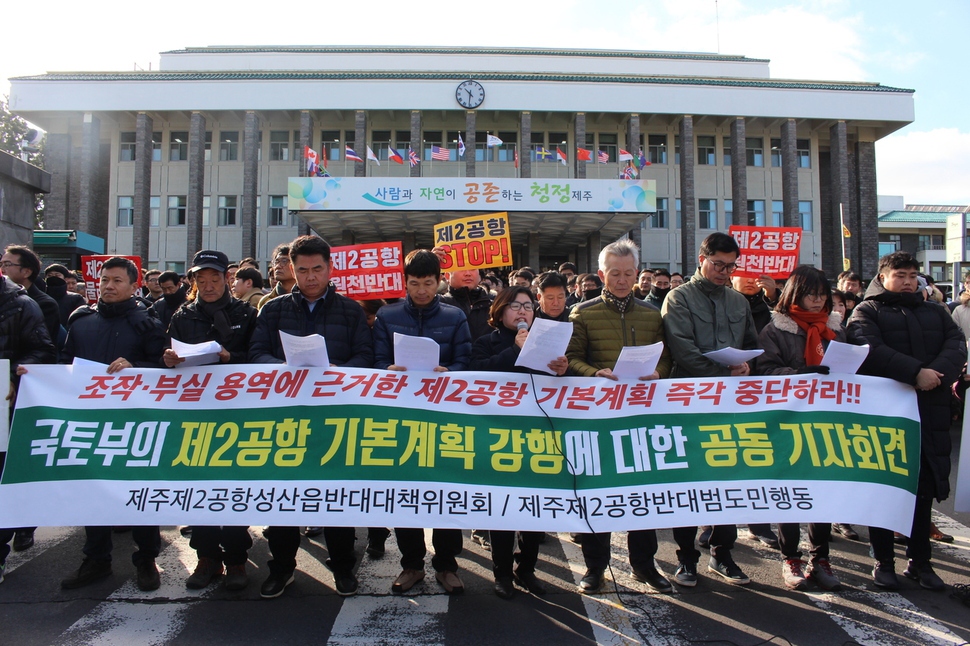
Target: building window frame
column 754, row 151
column 177, row 210
column 178, row 145
column 706, row 150
column 277, row 211
column 126, row 211
column 228, row 145
column 707, row 213
column 127, row 146
column 657, row 147
column 228, row 211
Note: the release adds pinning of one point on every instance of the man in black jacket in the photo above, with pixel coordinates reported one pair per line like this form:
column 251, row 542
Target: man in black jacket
column 465, row 294
column 118, row 331
column 915, row 341
column 22, row 266
column 551, row 294
column 313, row 307
column 215, row 316
column 67, row 301
column 173, row 295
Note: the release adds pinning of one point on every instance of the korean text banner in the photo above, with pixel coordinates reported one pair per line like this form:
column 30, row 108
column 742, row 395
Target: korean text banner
column 477, row 242
column 259, row 445
column 469, row 194
column 91, row 270
column 767, row 250
column 367, row 271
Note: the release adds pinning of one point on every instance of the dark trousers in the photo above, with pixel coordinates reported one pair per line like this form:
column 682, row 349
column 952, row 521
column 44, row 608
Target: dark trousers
column 722, row 540
column 98, row 545
column 818, row 536
column 446, row 543
column 918, row 547
column 504, row 555
column 641, row 544
column 6, row 535
column 229, row 545
column 284, row 542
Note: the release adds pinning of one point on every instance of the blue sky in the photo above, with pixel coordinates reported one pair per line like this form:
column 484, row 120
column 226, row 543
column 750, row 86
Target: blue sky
column 902, row 44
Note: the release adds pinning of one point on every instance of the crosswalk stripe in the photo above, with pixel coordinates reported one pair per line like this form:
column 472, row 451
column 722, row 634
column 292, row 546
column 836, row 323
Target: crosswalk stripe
column 44, row 539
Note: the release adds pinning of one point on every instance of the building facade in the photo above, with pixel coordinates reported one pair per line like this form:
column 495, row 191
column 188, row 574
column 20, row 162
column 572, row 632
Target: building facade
column 197, row 154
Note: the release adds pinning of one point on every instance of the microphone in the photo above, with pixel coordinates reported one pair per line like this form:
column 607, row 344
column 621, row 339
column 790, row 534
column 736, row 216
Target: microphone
column 521, row 325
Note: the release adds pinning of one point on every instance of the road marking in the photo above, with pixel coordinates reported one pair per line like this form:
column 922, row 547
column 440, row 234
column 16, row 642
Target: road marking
column 44, row 539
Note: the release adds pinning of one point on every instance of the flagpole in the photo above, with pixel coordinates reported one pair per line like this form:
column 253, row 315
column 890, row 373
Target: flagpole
column 845, row 260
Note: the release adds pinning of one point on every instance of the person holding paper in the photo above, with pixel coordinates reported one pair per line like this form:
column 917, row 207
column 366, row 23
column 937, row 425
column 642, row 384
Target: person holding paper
column 512, row 315
column 313, row 307
column 794, row 341
column 916, row 342
column 215, row 316
column 601, row 328
column 422, row 313
column 700, row 316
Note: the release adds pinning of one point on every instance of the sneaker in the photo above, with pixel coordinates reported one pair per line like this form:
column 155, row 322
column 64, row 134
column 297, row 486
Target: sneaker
column 375, row 547
column 481, row 537
column 407, row 580
column 146, row 576
column 704, row 540
column 313, row 532
column 205, row 573
column 23, row 539
column 792, row 575
column 820, row 571
column 845, row 530
column 89, row 572
column 275, row 584
column 884, row 576
column 727, row 568
column 591, row 581
column 653, row 578
column 923, row 572
column 345, row 583
column 504, row 588
column 686, row 574
column 236, row 578
column 765, row 536
column 530, row 582
column 450, row 582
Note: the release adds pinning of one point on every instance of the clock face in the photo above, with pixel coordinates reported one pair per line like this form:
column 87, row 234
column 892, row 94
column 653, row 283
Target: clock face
column 470, row 94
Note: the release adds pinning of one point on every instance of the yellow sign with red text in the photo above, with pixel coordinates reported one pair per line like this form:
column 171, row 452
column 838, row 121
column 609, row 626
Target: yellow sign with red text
column 478, row 242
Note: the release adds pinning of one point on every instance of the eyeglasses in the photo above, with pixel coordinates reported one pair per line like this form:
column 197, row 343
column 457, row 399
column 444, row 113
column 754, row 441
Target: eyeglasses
column 515, row 306
column 282, row 260
column 7, row 265
column 721, row 267
column 820, row 296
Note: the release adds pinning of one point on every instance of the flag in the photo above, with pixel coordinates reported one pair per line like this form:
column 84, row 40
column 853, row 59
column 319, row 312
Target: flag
column 372, row 156
column 413, row 158
column 322, row 172
column 394, row 155
column 847, row 234
column 516, row 157
column 629, row 172
column 602, row 157
column 494, row 141
column 461, row 146
column 583, row 155
column 440, row 154
column 642, row 160
column 625, row 156
column 312, row 160
column 351, row 155
column 542, row 153
column 560, row 155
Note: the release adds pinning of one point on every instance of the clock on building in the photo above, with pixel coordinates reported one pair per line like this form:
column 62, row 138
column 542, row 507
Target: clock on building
column 470, row 94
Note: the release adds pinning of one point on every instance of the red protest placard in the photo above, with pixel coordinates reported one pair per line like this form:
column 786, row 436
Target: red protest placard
column 91, row 269
column 368, row 271
column 767, row 250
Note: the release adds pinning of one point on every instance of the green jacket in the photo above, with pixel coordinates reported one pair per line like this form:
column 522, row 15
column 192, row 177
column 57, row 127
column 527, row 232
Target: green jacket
column 600, row 332
column 700, row 317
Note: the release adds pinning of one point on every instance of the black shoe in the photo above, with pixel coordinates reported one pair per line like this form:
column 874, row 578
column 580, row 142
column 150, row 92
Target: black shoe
column 275, row 584
column 704, row 540
column 23, row 539
column 576, row 538
column 884, row 576
column 345, row 583
column 503, row 587
column 530, row 582
column 375, row 547
column 845, row 530
column 653, row 578
column 765, row 536
column 481, row 537
column 727, row 568
column 313, row 532
column 923, row 572
column 591, row 581
column 186, row 531
column 146, row 576
column 89, row 572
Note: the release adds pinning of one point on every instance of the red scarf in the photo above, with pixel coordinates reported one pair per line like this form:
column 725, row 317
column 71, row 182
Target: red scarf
column 815, row 327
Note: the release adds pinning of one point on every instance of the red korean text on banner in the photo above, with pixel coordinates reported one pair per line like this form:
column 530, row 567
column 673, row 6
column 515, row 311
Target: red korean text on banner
column 91, row 269
column 368, row 271
column 767, row 250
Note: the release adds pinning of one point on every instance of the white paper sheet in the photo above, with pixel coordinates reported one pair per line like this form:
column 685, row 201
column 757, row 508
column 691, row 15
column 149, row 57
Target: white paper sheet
column 416, row 352
column 732, row 356
column 638, row 361
column 196, row 354
column 5, row 410
column 844, row 358
column 546, row 342
column 309, row 351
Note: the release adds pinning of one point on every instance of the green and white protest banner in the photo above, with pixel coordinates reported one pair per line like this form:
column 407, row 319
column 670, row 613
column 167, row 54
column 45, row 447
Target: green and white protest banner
column 274, row 445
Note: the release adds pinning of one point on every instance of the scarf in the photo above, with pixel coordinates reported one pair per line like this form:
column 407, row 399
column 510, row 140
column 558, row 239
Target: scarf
column 621, row 304
column 813, row 324
column 176, row 299
column 658, row 293
column 217, row 312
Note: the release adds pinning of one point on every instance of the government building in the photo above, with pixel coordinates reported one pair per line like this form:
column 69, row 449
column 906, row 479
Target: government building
column 200, row 153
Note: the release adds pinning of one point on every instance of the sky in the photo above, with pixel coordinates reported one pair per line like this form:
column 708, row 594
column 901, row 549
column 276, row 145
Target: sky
column 893, row 42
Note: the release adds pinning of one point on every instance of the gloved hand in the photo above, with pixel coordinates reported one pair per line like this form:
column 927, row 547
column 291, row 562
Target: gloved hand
column 808, row 370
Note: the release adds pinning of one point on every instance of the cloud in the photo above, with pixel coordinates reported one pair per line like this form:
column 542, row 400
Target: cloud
column 928, row 167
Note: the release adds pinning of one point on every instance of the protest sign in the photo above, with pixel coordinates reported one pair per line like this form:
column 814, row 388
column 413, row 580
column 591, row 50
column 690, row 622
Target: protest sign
column 477, row 242
column 91, row 269
column 772, row 251
column 368, row 271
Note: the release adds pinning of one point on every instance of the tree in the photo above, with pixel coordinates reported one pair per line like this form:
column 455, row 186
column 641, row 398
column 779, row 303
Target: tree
column 15, row 135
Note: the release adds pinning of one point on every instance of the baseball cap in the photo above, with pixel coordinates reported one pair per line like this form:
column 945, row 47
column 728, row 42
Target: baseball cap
column 208, row 259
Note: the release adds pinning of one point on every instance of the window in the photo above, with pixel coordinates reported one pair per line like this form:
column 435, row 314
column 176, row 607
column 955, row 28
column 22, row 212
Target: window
column 510, row 141
column 177, row 267
column 205, row 211
column 707, row 214
column 402, row 139
column 350, row 139
column 229, row 145
column 608, row 143
column 658, row 219
column 433, row 138
column 680, row 220
column 178, row 145
column 259, row 146
column 277, row 211
column 279, row 145
column 157, row 146
column 297, row 148
column 207, row 155
column 329, row 145
column 380, row 140
column 176, row 210
column 776, row 153
column 756, row 213
column 754, row 151
column 806, row 217
column 891, row 244
column 259, row 217
column 931, row 243
column 726, row 146
column 658, row 149
column 227, row 211
column 126, row 211
column 154, row 208
column 777, row 213
column 803, row 152
column 557, row 140
column 728, row 213
column 706, row 150
column 677, row 149
column 126, row 151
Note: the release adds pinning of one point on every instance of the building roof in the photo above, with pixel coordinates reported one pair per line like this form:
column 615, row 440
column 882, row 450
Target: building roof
column 925, row 217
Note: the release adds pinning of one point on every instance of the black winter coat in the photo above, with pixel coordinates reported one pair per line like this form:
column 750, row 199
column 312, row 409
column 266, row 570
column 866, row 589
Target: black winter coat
column 23, row 336
column 444, row 324
column 66, row 301
column 339, row 320
column 475, row 303
column 497, row 352
column 190, row 325
column 905, row 334
column 105, row 333
column 48, row 306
